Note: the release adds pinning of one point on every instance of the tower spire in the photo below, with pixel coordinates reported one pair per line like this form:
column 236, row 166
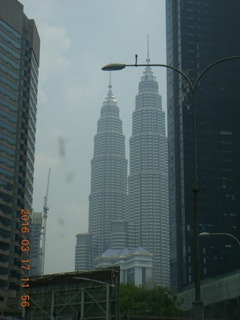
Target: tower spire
column 110, row 99
column 148, row 57
column 110, row 80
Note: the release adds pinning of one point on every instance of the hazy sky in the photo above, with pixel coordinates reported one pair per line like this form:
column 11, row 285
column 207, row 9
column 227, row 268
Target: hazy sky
column 78, row 37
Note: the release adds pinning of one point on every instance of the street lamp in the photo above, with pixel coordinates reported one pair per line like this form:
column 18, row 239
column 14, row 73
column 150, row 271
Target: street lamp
column 197, row 305
column 221, row 234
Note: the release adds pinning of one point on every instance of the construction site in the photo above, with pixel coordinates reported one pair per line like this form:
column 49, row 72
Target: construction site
column 88, row 295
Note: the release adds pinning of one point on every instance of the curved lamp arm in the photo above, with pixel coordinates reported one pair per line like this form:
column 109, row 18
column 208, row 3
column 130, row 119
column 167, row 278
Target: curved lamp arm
column 220, row 234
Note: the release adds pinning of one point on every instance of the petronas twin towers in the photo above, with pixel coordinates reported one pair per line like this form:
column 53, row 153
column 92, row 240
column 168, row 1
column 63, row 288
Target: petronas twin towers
column 108, row 198
column 144, row 204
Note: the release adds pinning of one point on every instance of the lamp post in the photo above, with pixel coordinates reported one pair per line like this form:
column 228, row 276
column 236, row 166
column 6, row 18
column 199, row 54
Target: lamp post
column 220, row 234
column 197, row 305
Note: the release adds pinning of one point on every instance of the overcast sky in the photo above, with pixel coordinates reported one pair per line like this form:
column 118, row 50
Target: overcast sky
column 78, row 37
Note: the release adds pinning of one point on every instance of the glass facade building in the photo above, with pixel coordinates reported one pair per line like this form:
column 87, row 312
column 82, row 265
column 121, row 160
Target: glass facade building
column 148, row 179
column 199, row 33
column 19, row 54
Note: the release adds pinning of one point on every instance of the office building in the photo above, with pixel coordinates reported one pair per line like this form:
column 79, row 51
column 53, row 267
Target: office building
column 108, row 198
column 19, row 53
column 148, row 179
column 198, row 34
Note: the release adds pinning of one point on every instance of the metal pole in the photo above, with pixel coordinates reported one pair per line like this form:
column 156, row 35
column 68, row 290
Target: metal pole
column 197, row 304
column 107, row 302
column 82, row 304
column 52, row 307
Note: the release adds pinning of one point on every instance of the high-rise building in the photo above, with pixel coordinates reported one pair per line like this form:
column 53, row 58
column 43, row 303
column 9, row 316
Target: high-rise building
column 36, row 250
column 198, row 34
column 148, row 180
column 19, row 53
column 83, row 252
column 108, row 198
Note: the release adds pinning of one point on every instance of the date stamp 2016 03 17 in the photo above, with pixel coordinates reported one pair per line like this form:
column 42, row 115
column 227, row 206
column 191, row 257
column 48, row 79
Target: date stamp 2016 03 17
column 25, row 260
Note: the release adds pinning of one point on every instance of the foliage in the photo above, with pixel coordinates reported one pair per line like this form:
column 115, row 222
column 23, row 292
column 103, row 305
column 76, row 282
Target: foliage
column 137, row 300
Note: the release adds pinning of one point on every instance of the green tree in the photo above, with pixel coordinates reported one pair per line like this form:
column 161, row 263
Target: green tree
column 137, row 300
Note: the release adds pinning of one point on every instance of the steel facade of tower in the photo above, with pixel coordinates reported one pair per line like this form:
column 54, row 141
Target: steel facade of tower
column 198, row 34
column 19, row 53
column 148, row 179
column 108, row 198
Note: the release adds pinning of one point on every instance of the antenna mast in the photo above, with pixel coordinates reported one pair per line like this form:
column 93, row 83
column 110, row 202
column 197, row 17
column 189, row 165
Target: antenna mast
column 45, row 214
column 148, row 56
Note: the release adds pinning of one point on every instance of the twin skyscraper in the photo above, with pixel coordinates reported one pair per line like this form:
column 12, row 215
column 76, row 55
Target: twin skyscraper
column 129, row 214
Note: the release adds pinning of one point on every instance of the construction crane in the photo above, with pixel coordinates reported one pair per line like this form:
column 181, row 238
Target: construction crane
column 45, row 214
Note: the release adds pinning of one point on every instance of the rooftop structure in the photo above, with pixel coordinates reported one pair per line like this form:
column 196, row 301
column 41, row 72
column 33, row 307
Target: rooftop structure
column 136, row 265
